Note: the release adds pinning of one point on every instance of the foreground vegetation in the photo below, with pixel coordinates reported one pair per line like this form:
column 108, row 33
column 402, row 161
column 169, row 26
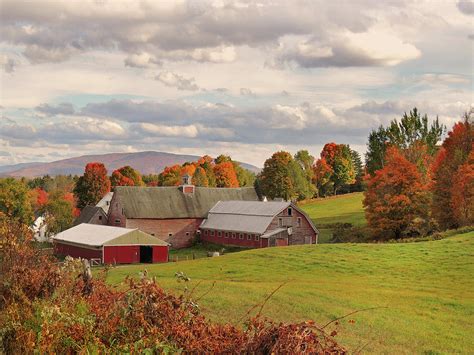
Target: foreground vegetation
column 49, row 307
column 419, row 295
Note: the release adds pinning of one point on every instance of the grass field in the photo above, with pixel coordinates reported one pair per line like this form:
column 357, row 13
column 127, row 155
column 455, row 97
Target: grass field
column 425, row 290
column 339, row 209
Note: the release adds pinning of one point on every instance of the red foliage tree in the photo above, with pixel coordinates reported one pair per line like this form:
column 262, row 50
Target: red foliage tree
column 92, row 186
column 226, row 175
column 462, row 193
column 454, row 153
column 39, row 199
column 117, row 179
column 396, row 198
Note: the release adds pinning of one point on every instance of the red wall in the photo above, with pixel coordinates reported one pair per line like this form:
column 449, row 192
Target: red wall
column 161, row 228
column 230, row 241
column 123, row 254
column 160, row 254
column 76, row 251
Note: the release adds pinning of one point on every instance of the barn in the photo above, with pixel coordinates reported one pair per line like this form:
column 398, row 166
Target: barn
column 170, row 213
column 110, row 245
column 258, row 224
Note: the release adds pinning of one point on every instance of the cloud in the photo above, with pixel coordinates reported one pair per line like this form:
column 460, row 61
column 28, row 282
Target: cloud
column 247, row 92
column 7, row 63
column 175, row 80
column 64, row 108
column 142, row 60
column 466, row 7
column 150, row 32
column 375, row 47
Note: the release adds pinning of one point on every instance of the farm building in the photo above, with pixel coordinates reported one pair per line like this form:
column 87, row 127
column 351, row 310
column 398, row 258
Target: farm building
column 110, row 245
column 258, row 224
column 172, row 214
column 92, row 215
column 104, row 203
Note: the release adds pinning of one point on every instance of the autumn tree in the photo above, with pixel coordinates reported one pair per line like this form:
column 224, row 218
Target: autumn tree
column 396, row 199
column 170, row 176
column 306, row 161
column 462, row 193
column 38, row 199
column 335, row 168
column 126, row 176
column 454, row 153
column 92, row 186
column 283, row 177
column 200, row 178
column 412, row 129
column 59, row 211
column 15, row 201
column 225, row 174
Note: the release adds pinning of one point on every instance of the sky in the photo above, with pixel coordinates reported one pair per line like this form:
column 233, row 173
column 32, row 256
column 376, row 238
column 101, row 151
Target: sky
column 243, row 78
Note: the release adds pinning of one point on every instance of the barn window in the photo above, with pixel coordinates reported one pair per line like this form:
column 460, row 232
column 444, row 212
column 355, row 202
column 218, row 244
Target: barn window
column 290, row 211
column 241, row 236
column 212, row 233
column 117, row 221
column 153, row 234
column 170, row 234
column 298, row 222
column 249, row 236
column 233, row 236
column 280, row 222
column 257, row 238
column 100, row 218
column 205, row 231
column 187, row 233
column 219, row 234
column 226, row 235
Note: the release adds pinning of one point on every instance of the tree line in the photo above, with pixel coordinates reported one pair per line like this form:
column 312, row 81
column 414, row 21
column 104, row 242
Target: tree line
column 413, row 186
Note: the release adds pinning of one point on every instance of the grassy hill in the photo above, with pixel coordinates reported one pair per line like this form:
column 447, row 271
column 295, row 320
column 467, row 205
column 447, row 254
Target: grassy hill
column 425, row 290
column 339, row 209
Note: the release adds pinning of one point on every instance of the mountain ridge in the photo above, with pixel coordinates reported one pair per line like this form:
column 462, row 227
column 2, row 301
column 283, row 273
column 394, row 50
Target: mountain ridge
column 147, row 162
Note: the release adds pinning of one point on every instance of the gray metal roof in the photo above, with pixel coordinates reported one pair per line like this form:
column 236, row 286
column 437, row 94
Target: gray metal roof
column 243, row 216
column 87, row 213
column 98, row 235
column 104, row 203
column 250, row 208
column 171, row 202
column 233, row 223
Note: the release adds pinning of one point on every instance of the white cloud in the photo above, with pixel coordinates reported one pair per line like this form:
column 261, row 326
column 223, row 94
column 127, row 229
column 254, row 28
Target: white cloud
column 178, row 81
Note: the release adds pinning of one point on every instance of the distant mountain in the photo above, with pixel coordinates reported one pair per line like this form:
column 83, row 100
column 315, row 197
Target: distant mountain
column 145, row 162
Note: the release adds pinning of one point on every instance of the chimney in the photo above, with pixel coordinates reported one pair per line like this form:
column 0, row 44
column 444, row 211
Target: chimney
column 187, row 187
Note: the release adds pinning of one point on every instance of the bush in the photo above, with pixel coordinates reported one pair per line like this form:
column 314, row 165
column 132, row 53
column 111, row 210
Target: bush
column 48, row 307
column 347, row 233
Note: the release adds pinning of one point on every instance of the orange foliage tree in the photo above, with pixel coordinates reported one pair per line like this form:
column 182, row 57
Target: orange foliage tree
column 454, row 153
column 396, row 199
column 225, row 175
column 92, row 186
column 462, row 193
column 126, row 176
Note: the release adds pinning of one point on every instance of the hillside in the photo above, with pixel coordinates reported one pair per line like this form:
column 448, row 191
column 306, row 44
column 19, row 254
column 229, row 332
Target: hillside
column 338, row 209
column 424, row 290
column 145, row 162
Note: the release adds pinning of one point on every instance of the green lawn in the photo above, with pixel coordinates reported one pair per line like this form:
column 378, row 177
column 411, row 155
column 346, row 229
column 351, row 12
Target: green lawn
column 339, row 209
column 425, row 289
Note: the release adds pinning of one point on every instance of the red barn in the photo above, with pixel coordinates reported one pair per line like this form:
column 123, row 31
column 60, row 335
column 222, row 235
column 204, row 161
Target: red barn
column 110, row 245
column 258, row 224
column 172, row 213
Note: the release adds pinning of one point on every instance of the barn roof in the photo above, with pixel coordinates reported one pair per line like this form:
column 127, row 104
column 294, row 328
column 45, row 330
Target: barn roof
column 87, row 213
column 243, row 216
column 171, row 202
column 99, row 235
column 247, row 216
column 104, row 203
